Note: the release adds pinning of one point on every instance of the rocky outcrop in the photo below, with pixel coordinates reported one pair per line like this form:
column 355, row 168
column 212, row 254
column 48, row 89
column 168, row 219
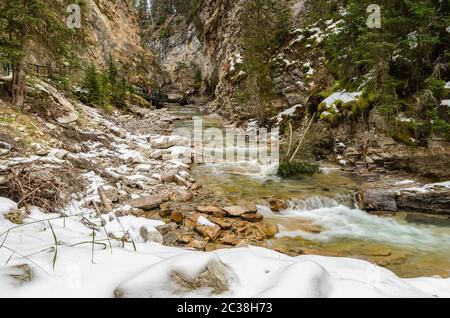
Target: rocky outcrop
column 108, row 29
column 431, row 198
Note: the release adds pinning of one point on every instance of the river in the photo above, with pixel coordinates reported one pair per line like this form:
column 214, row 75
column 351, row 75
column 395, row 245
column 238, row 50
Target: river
column 322, row 217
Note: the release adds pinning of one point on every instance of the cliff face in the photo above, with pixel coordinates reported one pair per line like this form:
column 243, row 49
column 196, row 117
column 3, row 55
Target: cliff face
column 209, row 41
column 198, row 44
column 108, row 29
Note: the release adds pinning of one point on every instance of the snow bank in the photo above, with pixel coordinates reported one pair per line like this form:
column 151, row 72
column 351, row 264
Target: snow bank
column 6, row 205
column 343, row 96
column 152, row 270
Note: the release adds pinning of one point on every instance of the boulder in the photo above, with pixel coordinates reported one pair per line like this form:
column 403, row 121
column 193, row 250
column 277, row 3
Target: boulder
column 185, row 239
column 169, row 176
column 433, row 199
column 198, row 245
column 211, row 232
column 223, row 223
column 377, row 200
column 269, row 229
column 236, row 210
column 229, row 239
column 217, row 212
column 277, row 205
column 151, row 236
column 252, row 217
column 177, row 216
column 147, row 203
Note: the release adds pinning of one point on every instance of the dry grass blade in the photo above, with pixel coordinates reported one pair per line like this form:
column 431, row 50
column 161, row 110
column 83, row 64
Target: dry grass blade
column 55, row 256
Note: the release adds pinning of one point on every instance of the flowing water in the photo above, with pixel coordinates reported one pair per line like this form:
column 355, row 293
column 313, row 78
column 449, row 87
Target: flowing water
column 322, row 217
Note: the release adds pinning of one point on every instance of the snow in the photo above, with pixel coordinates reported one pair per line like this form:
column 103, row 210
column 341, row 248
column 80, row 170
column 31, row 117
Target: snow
column 6, row 206
column 446, row 102
column 343, row 96
column 404, row 182
column 288, row 112
column 146, row 269
column 205, row 222
column 447, row 85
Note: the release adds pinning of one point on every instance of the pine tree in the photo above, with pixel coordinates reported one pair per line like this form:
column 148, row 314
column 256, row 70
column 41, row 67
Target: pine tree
column 258, row 45
column 94, row 83
column 24, row 21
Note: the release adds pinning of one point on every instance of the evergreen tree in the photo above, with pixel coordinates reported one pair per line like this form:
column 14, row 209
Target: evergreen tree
column 258, row 45
column 94, row 84
column 24, row 21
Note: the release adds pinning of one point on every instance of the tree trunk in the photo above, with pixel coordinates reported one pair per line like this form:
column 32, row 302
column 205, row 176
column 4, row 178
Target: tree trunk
column 18, row 85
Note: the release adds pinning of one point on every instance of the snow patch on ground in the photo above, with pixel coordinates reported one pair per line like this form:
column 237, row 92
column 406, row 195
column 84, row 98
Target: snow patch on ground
column 343, row 96
column 151, row 270
column 6, row 206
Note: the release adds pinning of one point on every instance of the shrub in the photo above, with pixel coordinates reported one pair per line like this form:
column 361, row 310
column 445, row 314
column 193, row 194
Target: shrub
column 297, row 169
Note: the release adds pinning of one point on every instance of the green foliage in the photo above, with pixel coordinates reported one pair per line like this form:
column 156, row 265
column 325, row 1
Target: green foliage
column 94, row 84
column 259, row 44
column 401, row 67
column 107, row 88
column 198, row 79
column 401, row 55
column 297, row 169
column 164, row 33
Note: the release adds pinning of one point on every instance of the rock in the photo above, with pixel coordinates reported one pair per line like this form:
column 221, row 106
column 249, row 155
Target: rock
column 58, row 153
column 181, row 196
column 198, row 245
column 377, row 199
column 168, row 233
column 112, row 194
column 185, row 239
column 236, row 210
column 369, row 160
column 277, row 205
column 169, row 176
column 213, row 278
column 224, row 224
column 42, row 152
column 252, row 217
column 69, row 118
column 166, row 210
column 50, row 126
column 180, row 181
column 428, row 199
column 211, row 232
column 217, row 212
column 177, row 216
column 157, row 154
column 151, row 236
column 147, row 203
column 269, row 229
column 143, row 167
column 165, row 142
column 229, row 239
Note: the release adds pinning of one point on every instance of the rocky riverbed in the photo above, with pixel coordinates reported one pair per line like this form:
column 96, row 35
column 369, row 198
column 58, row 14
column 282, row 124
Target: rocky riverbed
column 117, row 165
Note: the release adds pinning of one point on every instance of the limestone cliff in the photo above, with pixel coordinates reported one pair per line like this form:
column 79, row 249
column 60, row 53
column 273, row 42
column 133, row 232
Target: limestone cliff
column 108, row 29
